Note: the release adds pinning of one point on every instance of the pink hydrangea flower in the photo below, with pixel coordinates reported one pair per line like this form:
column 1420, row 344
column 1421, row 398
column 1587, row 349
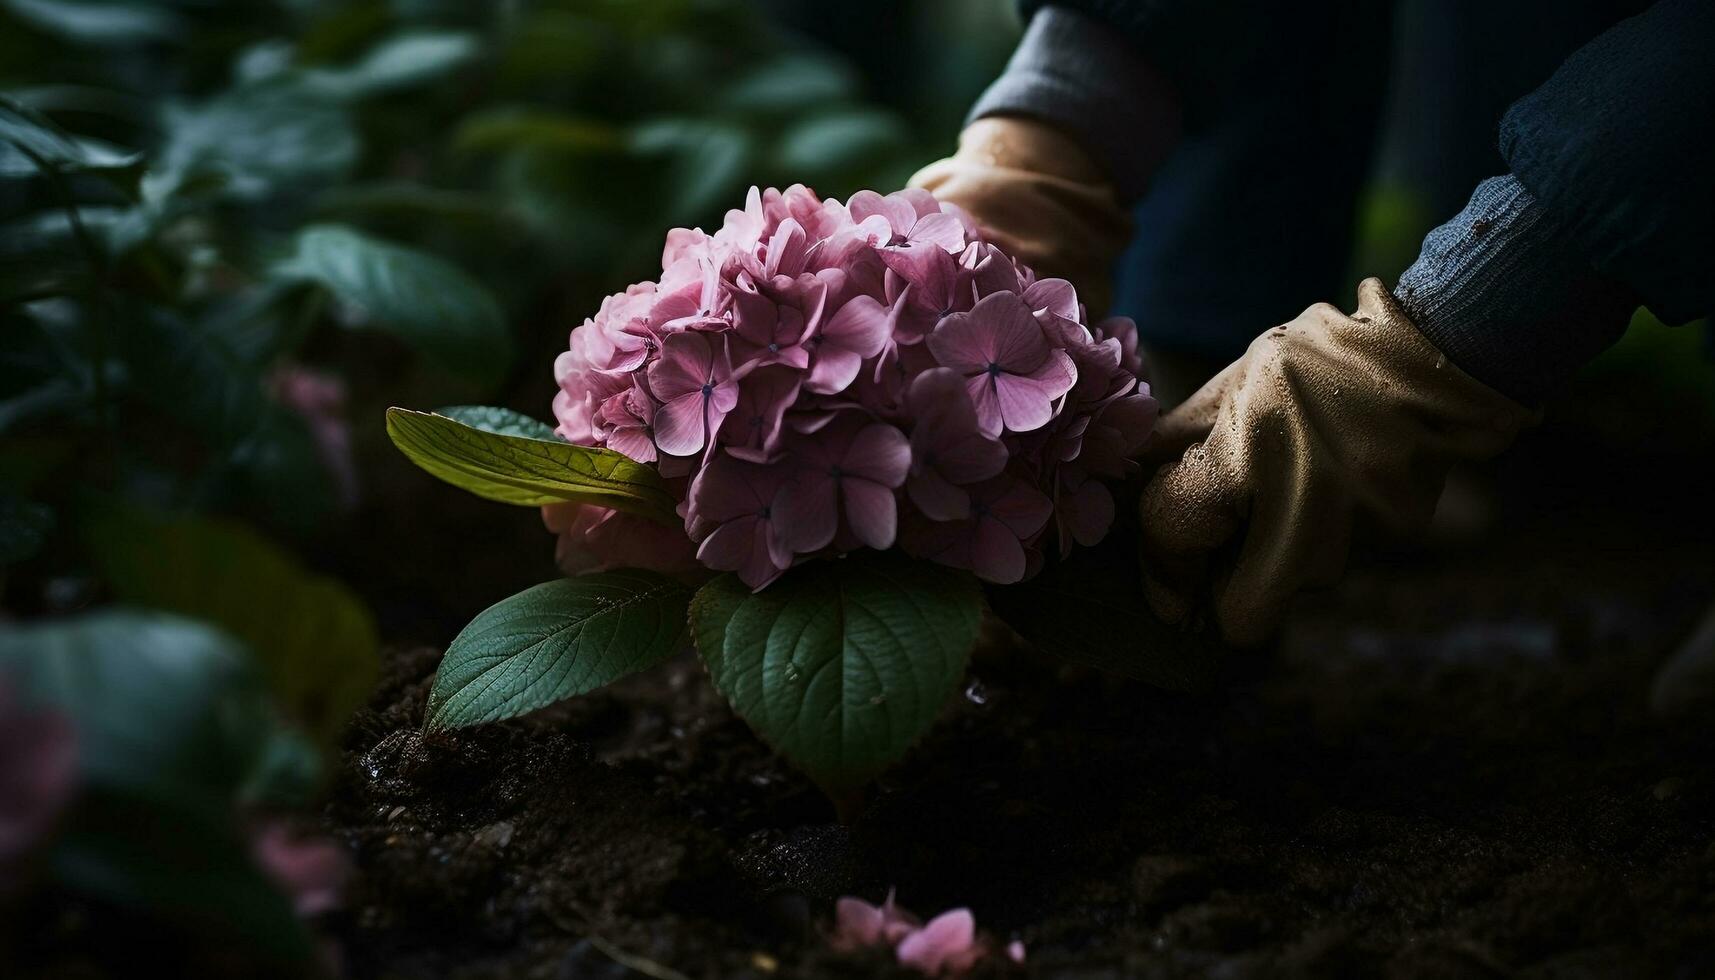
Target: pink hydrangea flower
column 823, row 376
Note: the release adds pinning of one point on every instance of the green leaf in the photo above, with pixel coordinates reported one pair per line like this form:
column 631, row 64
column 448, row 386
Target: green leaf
column 429, row 303
column 315, row 641
column 790, row 83
column 253, row 142
column 840, row 665
column 515, row 128
column 502, row 421
column 165, row 707
column 847, row 141
column 527, row 471
column 109, row 23
column 557, row 640
column 397, row 63
column 27, row 137
column 1089, row 610
column 706, row 163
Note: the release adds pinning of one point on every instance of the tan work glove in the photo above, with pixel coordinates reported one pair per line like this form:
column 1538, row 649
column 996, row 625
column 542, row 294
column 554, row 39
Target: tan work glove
column 1324, row 420
column 1040, row 197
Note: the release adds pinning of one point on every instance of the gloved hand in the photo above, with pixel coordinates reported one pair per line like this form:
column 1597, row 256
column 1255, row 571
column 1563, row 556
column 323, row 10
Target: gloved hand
column 1324, row 420
column 1038, row 196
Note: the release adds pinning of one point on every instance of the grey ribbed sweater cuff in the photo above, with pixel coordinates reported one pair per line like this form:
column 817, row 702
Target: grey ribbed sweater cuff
column 1081, row 76
column 1505, row 295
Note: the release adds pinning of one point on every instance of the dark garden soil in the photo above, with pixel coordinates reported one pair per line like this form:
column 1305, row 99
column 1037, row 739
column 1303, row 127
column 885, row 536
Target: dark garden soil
column 1445, row 769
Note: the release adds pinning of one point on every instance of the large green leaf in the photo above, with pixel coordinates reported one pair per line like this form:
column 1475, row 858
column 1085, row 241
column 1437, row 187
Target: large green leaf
column 429, row 303
column 556, row 640
column 1089, row 610
column 530, row 472
column 316, row 642
column 840, row 665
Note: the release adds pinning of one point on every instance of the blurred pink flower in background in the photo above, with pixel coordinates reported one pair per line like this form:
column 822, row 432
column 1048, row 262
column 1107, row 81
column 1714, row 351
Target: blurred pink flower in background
column 38, row 775
column 319, row 399
column 310, row 870
column 947, row 945
column 839, row 376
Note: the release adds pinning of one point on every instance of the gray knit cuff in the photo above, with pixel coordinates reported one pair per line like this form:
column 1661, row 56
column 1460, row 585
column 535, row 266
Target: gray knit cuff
column 1083, row 77
column 1505, row 295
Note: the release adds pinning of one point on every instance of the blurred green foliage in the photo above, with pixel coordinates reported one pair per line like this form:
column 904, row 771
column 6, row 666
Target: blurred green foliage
column 201, row 200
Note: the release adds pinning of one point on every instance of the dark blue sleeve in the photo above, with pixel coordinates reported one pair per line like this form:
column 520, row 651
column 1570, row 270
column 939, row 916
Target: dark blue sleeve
column 1619, row 147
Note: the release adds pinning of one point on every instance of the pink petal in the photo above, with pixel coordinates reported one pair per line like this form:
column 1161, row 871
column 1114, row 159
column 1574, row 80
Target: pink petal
column 1088, row 512
column 1054, row 296
column 862, row 325
column 682, row 367
column 971, row 459
column 806, row 514
column 786, row 249
column 1015, row 951
column 634, row 441
column 963, row 342
column 1019, row 344
column 1022, row 508
column 871, row 511
column 996, row 554
column 948, row 938
column 985, row 402
column 762, row 568
column 941, row 231
column 679, row 424
column 879, row 452
column 833, row 370
column 856, row 922
column 730, row 546
column 936, row 497
column 1026, row 401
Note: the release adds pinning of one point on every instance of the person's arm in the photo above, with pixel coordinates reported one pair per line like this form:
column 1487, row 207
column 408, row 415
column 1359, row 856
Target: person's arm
column 1087, row 80
column 1058, row 147
column 1609, row 205
column 1336, row 417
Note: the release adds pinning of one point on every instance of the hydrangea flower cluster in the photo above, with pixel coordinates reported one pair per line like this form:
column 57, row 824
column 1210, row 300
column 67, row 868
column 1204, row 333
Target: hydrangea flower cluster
column 820, row 377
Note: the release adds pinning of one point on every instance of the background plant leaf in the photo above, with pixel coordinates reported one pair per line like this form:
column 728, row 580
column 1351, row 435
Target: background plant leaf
column 315, row 641
column 840, row 665
column 527, row 471
column 503, row 421
column 27, row 137
column 430, row 304
column 172, row 722
column 165, row 707
column 557, row 640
